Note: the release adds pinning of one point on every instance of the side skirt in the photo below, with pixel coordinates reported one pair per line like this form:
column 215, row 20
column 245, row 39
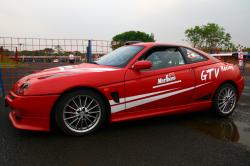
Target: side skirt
column 192, row 107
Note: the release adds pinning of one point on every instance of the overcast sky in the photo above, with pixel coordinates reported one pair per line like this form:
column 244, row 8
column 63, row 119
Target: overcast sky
column 102, row 19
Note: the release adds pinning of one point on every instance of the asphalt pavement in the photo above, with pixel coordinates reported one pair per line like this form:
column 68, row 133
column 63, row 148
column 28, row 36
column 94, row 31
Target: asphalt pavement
column 188, row 139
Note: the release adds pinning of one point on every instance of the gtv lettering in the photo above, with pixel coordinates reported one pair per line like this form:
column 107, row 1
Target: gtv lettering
column 209, row 74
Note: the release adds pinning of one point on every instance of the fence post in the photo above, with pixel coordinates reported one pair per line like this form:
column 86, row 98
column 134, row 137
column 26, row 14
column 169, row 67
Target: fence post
column 16, row 56
column 1, row 84
column 1, row 53
column 89, row 52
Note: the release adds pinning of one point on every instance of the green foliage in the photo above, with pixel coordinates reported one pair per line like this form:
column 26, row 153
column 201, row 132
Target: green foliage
column 246, row 49
column 44, row 52
column 195, row 35
column 120, row 39
column 209, row 36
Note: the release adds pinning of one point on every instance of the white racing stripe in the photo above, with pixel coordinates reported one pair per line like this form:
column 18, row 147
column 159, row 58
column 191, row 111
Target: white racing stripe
column 122, row 100
column 112, row 102
column 118, row 108
column 166, row 84
column 61, row 68
column 131, row 104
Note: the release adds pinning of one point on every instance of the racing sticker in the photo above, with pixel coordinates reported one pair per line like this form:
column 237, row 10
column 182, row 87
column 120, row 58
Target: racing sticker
column 169, row 79
column 211, row 73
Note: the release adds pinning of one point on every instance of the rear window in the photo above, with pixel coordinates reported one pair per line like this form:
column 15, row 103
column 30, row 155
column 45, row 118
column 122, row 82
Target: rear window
column 193, row 56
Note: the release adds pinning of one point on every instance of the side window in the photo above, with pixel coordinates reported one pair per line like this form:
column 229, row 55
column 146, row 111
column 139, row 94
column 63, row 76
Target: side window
column 162, row 57
column 193, row 56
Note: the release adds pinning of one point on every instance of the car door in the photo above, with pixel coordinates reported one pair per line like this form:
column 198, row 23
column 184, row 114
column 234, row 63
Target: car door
column 168, row 83
column 206, row 74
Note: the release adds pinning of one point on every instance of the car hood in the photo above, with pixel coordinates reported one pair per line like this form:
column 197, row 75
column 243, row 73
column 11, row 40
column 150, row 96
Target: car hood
column 69, row 70
column 58, row 79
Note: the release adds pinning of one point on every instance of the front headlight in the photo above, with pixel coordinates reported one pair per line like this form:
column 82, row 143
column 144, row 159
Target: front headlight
column 20, row 90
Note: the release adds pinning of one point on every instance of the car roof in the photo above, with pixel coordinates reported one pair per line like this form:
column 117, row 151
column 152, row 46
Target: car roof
column 151, row 44
column 158, row 44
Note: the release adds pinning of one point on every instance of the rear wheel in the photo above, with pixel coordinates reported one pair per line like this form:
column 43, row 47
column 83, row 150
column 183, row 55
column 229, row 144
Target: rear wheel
column 80, row 112
column 225, row 99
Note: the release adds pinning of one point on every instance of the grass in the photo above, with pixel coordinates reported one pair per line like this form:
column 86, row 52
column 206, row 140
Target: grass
column 9, row 65
column 6, row 62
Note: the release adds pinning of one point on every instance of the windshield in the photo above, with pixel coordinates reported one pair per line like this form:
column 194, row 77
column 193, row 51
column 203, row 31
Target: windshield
column 120, row 57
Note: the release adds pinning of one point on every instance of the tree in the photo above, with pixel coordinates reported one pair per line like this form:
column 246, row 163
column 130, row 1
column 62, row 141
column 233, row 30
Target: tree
column 208, row 36
column 246, row 49
column 195, row 36
column 122, row 38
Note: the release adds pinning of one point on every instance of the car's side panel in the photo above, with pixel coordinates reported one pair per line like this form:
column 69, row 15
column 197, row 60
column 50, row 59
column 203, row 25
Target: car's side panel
column 112, row 92
column 139, row 84
column 144, row 94
column 215, row 74
column 205, row 74
column 149, row 82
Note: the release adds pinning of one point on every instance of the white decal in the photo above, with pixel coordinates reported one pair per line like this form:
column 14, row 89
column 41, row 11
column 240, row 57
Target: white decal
column 169, row 77
column 134, row 103
column 121, row 106
column 226, row 68
column 209, row 73
column 216, row 72
column 122, row 100
column 166, row 84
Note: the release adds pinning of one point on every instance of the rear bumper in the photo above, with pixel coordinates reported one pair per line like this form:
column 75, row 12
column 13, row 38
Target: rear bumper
column 30, row 112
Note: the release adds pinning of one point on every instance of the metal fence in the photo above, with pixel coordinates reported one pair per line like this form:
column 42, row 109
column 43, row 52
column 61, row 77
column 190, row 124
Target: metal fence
column 23, row 56
column 47, row 50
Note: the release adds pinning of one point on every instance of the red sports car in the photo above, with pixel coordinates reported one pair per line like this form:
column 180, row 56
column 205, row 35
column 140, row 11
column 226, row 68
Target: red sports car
column 135, row 81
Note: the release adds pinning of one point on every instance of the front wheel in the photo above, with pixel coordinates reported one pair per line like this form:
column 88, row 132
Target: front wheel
column 224, row 101
column 80, row 112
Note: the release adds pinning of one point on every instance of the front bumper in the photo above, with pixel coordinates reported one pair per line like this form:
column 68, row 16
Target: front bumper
column 30, row 112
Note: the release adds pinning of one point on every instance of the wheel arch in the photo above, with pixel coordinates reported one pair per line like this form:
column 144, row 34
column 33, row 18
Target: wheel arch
column 52, row 112
column 231, row 82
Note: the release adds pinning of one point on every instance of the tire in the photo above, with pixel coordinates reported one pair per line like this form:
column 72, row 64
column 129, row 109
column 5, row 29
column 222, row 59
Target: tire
column 224, row 100
column 80, row 112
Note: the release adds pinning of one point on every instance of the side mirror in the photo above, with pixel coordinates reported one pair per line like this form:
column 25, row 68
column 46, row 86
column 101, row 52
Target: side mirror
column 140, row 65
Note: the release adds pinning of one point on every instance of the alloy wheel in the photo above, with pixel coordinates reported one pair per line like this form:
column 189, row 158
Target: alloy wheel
column 226, row 100
column 81, row 113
